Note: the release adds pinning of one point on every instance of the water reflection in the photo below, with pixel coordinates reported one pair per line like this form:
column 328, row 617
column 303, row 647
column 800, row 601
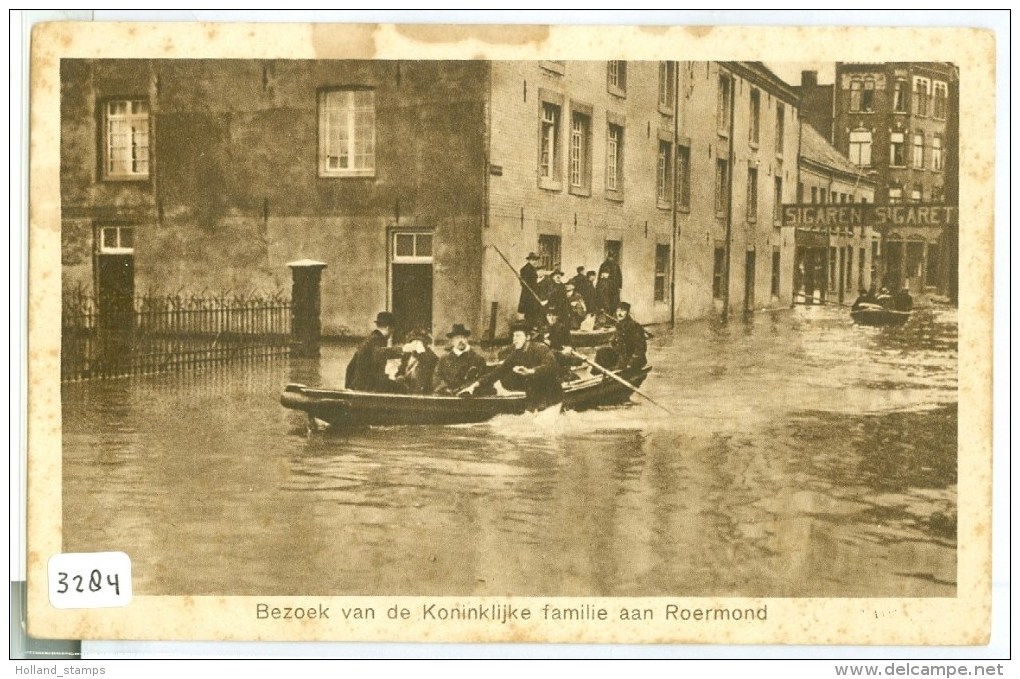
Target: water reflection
column 811, row 458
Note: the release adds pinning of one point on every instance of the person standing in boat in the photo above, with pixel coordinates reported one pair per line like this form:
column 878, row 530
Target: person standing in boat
column 460, row 365
column 584, row 287
column 556, row 335
column 367, row 369
column 529, row 306
column 630, row 343
column 557, row 297
column 418, row 365
column 531, row 367
column 607, row 293
column 578, row 309
column 612, row 267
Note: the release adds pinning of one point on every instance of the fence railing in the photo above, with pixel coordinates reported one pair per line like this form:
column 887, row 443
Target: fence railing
column 156, row 333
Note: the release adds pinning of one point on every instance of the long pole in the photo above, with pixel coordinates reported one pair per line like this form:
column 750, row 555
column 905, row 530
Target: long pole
column 523, row 284
column 622, row 381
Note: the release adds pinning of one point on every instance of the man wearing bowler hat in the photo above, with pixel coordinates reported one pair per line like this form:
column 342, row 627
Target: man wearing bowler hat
column 529, row 305
column 367, row 369
column 460, row 365
column 530, row 367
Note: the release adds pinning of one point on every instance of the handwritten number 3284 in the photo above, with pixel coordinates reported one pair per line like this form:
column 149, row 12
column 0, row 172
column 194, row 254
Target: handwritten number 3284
column 94, row 582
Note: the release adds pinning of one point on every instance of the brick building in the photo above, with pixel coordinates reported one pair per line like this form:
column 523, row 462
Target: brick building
column 404, row 177
column 897, row 122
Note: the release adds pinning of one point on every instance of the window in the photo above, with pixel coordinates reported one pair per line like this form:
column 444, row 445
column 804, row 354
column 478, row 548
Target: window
column 900, row 96
column 921, row 90
column 616, row 77
column 347, row 133
column 126, row 141
column 410, row 248
column 823, row 196
column 895, row 195
column 814, row 194
column 722, row 113
column 664, row 174
column 661, row 271
column 683, row 176
column 580, row 151
column 754, row 128
column 614, row 158
column 117, row 240
column 800, row 192
column 860, row 267
column 931, row 269
column 718, row 272
column 849, row 267
column 897, row 153
column 614, row 249
column 860, row 147
column 777, row 201
column 780, row 128
column 776, row 269
column 549, row 252
column 855, row 95
column 915, row 195
column 550, row 142
column 721, row 185
column 752, row 194
column 833, row 265
column 667, row 75
column 919, row 150
column 941, row 101
column 868, row 96
column 936, row 153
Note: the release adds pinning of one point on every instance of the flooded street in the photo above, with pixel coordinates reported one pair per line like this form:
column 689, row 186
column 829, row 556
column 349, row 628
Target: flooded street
column 810, row 458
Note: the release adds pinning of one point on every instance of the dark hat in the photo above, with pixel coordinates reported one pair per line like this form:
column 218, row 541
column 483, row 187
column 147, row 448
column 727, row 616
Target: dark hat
column 557, row 273
column 590, row 273
column 580, row 269
column 385, row 318
column 532, row 255
column 459, row 331
column 520, row 326
column 623, row 305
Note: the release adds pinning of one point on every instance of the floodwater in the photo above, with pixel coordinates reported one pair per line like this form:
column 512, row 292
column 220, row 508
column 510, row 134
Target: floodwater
column 808, row 457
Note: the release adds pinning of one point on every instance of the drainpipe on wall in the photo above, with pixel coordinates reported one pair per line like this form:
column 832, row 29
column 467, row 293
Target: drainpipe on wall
column 729, row 198
column 676, row 149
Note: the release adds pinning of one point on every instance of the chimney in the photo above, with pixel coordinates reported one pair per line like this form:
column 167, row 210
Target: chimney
column 809, row 78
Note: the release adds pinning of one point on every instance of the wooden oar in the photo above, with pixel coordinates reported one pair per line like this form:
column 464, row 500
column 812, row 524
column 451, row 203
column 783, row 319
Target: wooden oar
column 523, row 284
column 622, row 381
column 648, row 335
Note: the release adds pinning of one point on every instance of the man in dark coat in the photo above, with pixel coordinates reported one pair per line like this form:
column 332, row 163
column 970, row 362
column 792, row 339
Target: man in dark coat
column 608, row 294
column 612, row 267
column 529, row 306
column 531, row 366
column 367, row 369
column 418, row 365
column 556, row 334
column 629, row 342
column 557, row 298
column 585, row 287
column 578, row 309
column 459, row 366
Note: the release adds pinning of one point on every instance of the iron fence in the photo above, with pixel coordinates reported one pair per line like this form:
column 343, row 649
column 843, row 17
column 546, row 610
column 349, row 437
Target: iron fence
column 159, row 333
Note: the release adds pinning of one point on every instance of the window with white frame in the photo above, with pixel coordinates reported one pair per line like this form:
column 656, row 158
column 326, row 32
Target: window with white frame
column 580, row 150
column 549, row 252
column 897, row 151
column 721, row 185
column 412, row 247
column 664, row 173
column 661, row 272
column 895, row 195
column 722, row 113
column 126, row 143
column 614, row 157
column 347, row 133
column 752, row 194
column 117, row 240
column 667, row 74
column 915, row 194
column 936, row 153
column 683, row 176
column 941, row 101
column 550, row 142
column 860, row 147
column 919, row 150
column 921, row 94
column 855, row 95
column 616, row 77
column 868, row 96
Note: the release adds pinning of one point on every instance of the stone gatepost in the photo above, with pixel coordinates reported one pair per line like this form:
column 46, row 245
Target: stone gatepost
column 306, row 326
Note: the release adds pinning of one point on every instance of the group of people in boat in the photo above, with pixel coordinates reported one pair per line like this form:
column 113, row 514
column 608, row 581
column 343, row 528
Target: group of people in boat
column 539, row 362
column 581, row 302
column 898, row 301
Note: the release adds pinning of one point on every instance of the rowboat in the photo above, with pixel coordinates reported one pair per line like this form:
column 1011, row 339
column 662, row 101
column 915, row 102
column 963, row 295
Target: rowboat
column 592, row 338
column 877, row 315
column 345, row 407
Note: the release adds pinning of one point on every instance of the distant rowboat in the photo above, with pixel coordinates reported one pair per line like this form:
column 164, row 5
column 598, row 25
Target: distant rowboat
column 877, row 315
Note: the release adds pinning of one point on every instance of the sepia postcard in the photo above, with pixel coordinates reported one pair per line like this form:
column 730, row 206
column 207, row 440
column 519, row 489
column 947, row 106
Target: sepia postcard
column 618, row 334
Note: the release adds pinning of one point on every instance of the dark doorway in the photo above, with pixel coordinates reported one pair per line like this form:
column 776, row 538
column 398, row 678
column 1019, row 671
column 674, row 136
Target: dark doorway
column 893, row 252
column 116, row 286
column 412, row 296
column 749, row 281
